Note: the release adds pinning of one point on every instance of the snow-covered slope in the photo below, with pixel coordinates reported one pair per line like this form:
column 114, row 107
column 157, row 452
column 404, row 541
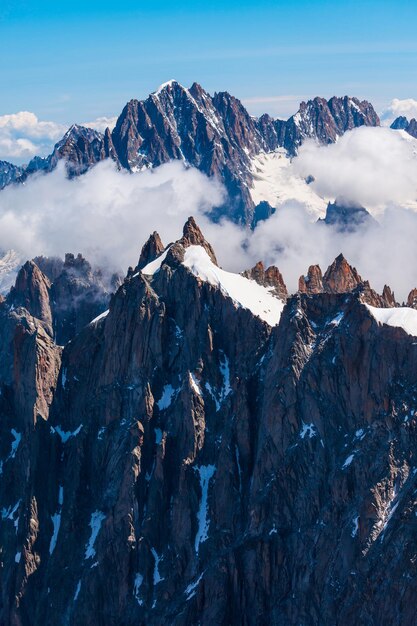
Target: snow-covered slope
column 10, row 263
column 401, row 317
column 244, row 292
column 151, row 268
column 275, row 181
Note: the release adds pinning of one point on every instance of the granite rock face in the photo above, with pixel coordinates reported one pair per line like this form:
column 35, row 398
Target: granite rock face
column 184, row 462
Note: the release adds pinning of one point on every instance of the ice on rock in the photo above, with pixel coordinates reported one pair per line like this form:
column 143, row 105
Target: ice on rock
column 206, row 472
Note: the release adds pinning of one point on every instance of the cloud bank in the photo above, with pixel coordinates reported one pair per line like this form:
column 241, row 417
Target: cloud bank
column 374, row 167
column 22, row 135
column 101, row 123
column 105, row 214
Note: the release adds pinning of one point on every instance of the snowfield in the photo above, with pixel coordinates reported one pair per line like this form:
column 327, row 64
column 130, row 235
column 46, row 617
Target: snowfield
column 276, row 182
column 401, row 317
column 244, row 292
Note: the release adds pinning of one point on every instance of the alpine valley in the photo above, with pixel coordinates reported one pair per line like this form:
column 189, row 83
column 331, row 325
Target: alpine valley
column 183, row 445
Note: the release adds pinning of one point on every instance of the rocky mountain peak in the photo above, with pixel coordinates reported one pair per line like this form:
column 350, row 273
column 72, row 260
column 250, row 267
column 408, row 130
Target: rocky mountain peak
column 150, row 250
column 77, row 263
column 347, row 217
column 340, row 277
column 313, row 282
column 400, row 123
column 192, row 236
column 270, row 277
column 9, row 173
column 215, row 134
column 31, row 291
column 412, row 128
column 412, row 299
column 388, row 296
column 209, row 456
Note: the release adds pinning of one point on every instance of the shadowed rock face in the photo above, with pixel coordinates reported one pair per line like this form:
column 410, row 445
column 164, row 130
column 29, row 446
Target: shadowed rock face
column 200, row 466
column 347, row 218
column 402, row 123
column 150, row 251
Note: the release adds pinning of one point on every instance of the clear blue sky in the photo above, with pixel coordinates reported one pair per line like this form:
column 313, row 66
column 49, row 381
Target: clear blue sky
column 74, row 61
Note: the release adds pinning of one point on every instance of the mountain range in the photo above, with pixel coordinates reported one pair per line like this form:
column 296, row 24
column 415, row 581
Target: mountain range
column 185, row 445
column 215, row 134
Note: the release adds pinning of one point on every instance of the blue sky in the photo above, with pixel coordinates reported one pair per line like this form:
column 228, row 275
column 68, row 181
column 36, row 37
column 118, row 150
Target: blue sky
column 75, row 61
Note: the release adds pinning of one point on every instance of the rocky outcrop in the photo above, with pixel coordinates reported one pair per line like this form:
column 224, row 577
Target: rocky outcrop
column 340, row 277
column 312, row 282
column 412, row 128
column 150, row 251
column 80, row 148
column 347, row 217
column 50, row 266
column 192, row 236
column 270, row 277
column 402, row 123
column 224, row 471
column 412, row 299
column 32, row 292
column 78, row 295
column 389, row 297
column 9, row 173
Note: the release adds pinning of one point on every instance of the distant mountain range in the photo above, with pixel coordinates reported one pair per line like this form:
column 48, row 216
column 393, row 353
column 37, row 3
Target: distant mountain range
column 215, row 134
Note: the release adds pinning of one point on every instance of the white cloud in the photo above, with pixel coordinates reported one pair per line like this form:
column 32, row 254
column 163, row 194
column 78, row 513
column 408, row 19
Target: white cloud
column 105, row 214
column 23, row 135
column 101, row 123
column 375, row 167
column 406, row 107
column 277, row 106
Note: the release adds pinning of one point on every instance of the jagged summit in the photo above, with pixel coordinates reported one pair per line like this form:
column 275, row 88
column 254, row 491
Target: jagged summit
column 169, row 84
column 400, row 123
column 192, row 236
column 150, row 250
column 409, row 126
column 346, row 216
column 340, row 277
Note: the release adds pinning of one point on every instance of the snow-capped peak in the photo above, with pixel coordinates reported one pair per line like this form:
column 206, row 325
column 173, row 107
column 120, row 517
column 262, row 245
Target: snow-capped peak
column 169, row 83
